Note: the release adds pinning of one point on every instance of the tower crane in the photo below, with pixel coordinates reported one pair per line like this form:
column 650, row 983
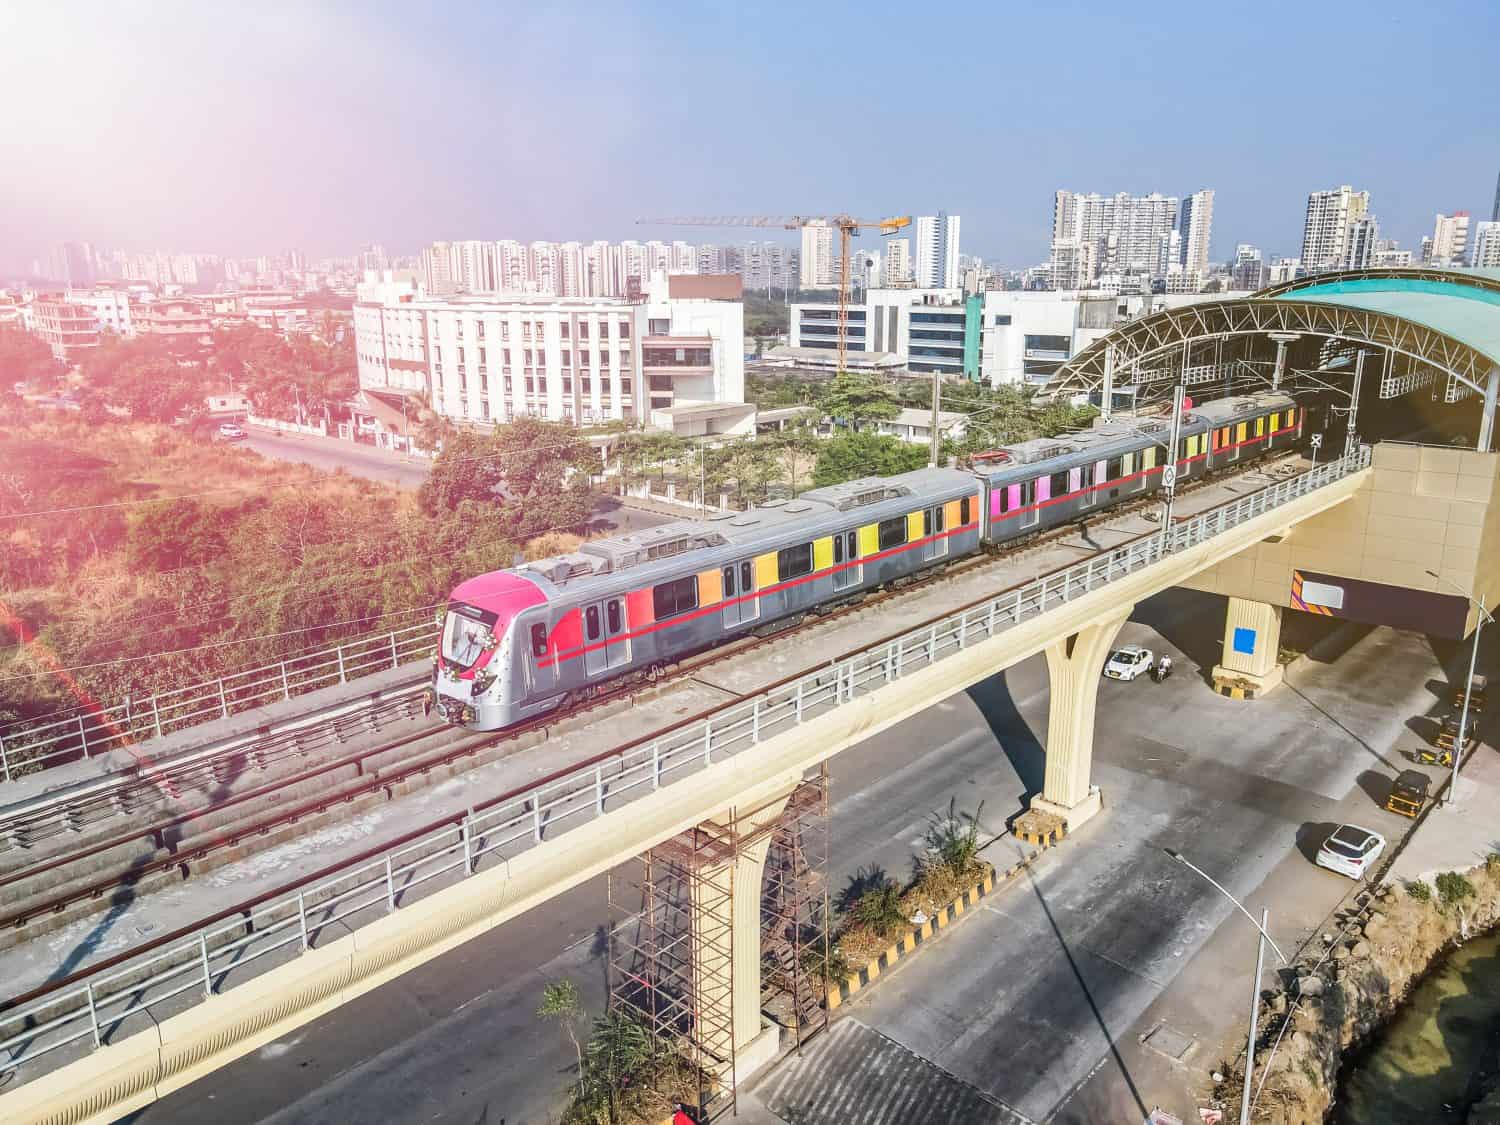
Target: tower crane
column 848, row 227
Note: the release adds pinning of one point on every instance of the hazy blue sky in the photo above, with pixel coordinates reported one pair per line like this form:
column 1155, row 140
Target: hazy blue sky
column 257, row 127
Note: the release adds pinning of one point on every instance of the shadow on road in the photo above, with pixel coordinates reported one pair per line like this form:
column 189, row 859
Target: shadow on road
column 1310, row 837
column 1028, row 757
column 1062, row 943
column 1376, row 785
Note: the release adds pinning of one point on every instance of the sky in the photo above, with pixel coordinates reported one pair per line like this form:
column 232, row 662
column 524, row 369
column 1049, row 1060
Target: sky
column 258, row 128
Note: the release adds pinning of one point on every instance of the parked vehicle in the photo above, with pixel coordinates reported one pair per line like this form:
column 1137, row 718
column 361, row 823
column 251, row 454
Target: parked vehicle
column 1351, row 850
column 521, row 642
column 1408, row 793
column 1476, row 693
column 1427, row 756
column 1128, row 662
column 228, row 431
column 1447, row 735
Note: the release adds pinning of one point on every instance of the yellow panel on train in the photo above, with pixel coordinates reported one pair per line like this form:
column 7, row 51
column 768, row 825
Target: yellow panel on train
column 823, row 553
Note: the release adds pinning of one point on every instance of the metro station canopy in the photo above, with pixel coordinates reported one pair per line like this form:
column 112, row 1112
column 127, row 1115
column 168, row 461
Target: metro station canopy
column 1423, row 324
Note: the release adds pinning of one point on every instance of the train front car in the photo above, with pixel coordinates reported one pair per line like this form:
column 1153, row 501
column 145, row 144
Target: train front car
column 473, row 683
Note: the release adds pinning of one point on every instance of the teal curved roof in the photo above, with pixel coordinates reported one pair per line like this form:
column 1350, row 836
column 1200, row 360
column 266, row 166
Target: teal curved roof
column 1462, row 312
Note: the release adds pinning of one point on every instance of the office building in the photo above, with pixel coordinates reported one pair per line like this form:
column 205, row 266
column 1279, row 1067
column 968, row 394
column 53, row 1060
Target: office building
column 1325, row 230
column 673, row 359
column 1487, row 245
column 817, row 256
column 1450, row 240
column 936, row 265
column 1195, row 220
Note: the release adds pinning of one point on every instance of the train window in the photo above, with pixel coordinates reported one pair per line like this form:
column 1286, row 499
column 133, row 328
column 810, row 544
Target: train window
column 838, row 549
column 678, row 596
column 851, row 545
column 966, row 509
column 591, row 622
column 939, row 518
column 1059, row 484
column 612, row 613
column 728, row 582
column 539, row 640
column 794, row 562
column 927, row 521
column 892, row 533
column 747, row 577
column 1115, row 469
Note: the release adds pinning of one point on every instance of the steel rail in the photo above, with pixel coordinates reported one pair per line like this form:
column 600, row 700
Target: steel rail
column 130, row 983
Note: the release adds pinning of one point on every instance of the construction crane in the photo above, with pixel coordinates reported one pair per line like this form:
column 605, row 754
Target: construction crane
column 848, row 228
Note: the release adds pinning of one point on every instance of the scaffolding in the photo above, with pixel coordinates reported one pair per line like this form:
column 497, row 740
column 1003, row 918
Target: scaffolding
column 671, row 945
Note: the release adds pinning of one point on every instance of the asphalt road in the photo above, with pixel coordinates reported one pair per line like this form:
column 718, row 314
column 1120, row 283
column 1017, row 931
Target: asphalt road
column 331, row 454
column 1027, row 1002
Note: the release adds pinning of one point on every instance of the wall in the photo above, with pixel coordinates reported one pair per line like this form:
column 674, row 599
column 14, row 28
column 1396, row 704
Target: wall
column 1424, row 508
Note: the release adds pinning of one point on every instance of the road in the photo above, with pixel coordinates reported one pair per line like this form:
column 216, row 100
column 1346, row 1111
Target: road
column 1030, row 1003
column 362, row 460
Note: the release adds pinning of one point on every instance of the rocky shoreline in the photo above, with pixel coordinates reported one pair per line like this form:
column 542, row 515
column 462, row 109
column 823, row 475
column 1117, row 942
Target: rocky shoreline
column 1345, row 988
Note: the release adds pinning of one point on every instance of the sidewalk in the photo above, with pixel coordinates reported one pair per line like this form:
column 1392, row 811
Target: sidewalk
column 1452, row 838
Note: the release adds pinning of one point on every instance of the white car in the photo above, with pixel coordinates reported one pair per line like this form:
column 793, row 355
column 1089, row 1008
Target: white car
column 1351, row 850
column 1127, row 662
column 228, row 431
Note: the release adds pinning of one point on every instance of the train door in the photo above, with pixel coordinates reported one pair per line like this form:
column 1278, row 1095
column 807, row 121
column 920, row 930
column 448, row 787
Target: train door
column 543, row 671
column 847, row 569
column 617, row 644
column 935, row 543
column 1031, row 512
column 740, row 603
column 595, row 648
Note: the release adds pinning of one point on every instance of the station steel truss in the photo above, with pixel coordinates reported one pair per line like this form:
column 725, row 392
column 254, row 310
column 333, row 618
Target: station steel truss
column 1382, row 273
column 671, row 947
column 1150, row 349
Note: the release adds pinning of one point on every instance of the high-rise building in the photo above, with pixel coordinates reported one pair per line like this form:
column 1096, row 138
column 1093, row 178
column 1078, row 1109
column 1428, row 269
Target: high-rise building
column 1169, row 253
column 817, row 255
column 1194, row 223
column 69, row 262
column 1095, row 235
column 1495, row 211
column 438, row 268
column 1325, row 231
column 1248, row 270
column 1450, row 239
column 1359, row 246
column 896, row 270
column 1388, row 254
column 936, row 266
column 1487, row 245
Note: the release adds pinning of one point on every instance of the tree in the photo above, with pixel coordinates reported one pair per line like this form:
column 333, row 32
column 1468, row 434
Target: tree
column 173, row 534
column 796, row 448
column 560, row 1003
column 852, row 455
column 539, row 471
column 23, row 358
column 851, row 399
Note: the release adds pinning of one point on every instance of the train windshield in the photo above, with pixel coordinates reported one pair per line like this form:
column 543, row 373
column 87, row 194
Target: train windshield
column 465, row 633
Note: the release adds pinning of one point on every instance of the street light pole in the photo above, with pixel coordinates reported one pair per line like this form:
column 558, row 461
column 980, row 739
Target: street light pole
column 1463, row 714
column 1260, row 957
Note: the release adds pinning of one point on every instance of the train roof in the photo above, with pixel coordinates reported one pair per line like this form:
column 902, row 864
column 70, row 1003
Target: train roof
column 761, row 527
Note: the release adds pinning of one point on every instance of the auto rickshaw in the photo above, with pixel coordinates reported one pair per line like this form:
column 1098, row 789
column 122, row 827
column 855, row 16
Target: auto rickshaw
column 1408, row 793
column 1477, row 685
column 1447, row 736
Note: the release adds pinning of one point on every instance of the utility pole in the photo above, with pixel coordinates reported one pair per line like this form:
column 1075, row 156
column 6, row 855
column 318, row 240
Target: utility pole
column 1107, row 399
column 1351, row 436
column 1260, row 961
column 1169, row 474
column 937, row 437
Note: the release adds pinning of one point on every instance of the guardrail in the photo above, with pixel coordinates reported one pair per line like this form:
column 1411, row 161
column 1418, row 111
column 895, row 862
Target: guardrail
column 26, row 747
column 94, row 1005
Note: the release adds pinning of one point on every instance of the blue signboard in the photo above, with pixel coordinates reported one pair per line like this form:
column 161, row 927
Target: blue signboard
column 1244, row 641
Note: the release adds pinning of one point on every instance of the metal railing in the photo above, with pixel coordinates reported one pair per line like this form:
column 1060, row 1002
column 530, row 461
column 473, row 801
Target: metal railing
column 94, row 1006
column 28, row 746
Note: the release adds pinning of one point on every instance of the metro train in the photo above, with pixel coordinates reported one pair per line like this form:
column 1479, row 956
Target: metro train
column 519, row 643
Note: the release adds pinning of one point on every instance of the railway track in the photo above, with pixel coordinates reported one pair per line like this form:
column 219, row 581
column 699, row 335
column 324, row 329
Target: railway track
column 58, row 889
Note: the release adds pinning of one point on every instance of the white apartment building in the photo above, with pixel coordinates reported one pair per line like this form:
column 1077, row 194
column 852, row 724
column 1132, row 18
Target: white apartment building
column 1487, row 246
column 897, row 267
column 1096, row 235
column 487, row 358
column 1359, row 251
column 1325, row 231
column 817, row 256
column 1450, row 239
column 936, row 266
column 1283, row 270
column 1195, row 220
column 111, row 308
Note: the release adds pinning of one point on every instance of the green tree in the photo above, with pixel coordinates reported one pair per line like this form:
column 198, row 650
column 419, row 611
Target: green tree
column 24, row 358
column 853, row 455
column 538, row 471
column 796, row 449
column 173, row 534
column 851, row 399
column 561, row 1004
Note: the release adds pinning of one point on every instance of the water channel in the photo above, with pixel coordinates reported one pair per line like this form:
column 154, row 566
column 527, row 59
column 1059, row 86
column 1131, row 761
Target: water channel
column 1427, row 1062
